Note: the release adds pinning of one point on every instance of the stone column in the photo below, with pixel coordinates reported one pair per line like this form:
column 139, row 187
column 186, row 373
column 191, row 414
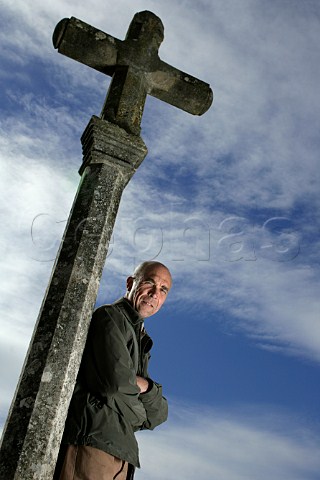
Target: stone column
column 33, row 431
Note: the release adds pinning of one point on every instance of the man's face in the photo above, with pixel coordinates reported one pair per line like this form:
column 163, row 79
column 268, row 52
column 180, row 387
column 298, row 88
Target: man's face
column 148, row 293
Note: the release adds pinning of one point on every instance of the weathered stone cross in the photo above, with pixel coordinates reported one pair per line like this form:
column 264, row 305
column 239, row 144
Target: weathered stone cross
column 136, row 69
column 112, row 151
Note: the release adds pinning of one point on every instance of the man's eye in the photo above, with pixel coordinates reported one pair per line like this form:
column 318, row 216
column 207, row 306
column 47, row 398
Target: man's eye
column 164, row 290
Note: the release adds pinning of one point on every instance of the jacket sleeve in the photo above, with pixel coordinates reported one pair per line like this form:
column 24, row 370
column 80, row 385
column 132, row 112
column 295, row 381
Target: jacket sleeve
column 108, row 368
column 156, row 406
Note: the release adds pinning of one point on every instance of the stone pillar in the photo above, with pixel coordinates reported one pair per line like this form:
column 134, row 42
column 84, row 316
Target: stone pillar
column 33, row 431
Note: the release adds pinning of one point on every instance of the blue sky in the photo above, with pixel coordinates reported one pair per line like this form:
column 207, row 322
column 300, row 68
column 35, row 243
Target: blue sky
column 229, row 201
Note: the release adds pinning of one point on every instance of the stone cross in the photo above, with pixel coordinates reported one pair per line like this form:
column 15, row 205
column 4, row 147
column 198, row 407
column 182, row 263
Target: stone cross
column 112, row 151
column 135, row 67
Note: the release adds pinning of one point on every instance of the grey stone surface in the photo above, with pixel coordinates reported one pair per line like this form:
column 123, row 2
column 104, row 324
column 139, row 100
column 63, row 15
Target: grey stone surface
column 112, row 151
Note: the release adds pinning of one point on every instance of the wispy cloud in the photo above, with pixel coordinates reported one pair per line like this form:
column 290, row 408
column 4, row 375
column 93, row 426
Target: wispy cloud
column 204, row 443
column 259, row 277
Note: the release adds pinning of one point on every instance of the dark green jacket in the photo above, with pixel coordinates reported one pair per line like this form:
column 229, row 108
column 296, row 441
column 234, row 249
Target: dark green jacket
column 107, row 407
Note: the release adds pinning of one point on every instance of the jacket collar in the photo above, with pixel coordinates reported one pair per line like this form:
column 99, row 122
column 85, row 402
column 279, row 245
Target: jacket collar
column 130, row 312
column 135, row 319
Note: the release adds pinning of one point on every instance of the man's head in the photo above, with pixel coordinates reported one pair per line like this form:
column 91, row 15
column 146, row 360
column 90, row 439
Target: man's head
column 148, row 287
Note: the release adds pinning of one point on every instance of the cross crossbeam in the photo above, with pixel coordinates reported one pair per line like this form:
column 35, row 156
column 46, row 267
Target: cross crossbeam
column 135, row 67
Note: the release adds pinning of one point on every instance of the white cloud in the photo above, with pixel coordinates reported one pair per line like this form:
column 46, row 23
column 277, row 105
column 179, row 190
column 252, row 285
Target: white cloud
column 265, row 73
column 36, row 197
column 259, row 277
column 202, row 443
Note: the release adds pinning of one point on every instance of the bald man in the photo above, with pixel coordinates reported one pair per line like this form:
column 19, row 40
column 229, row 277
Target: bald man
column 114, row 395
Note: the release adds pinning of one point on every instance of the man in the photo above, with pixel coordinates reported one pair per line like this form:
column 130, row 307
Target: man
column 114, row 396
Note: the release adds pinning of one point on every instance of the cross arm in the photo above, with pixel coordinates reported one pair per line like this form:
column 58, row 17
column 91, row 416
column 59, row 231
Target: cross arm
column 86, row 44
column 179, row 89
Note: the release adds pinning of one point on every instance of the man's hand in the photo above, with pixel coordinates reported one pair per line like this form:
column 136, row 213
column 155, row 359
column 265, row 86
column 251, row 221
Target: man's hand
column 143, row 384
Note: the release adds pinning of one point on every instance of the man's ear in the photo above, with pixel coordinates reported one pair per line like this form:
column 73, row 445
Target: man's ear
column 129, row 283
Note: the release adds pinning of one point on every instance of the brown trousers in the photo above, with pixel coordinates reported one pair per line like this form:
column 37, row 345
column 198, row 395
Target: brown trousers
column 88, row 463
